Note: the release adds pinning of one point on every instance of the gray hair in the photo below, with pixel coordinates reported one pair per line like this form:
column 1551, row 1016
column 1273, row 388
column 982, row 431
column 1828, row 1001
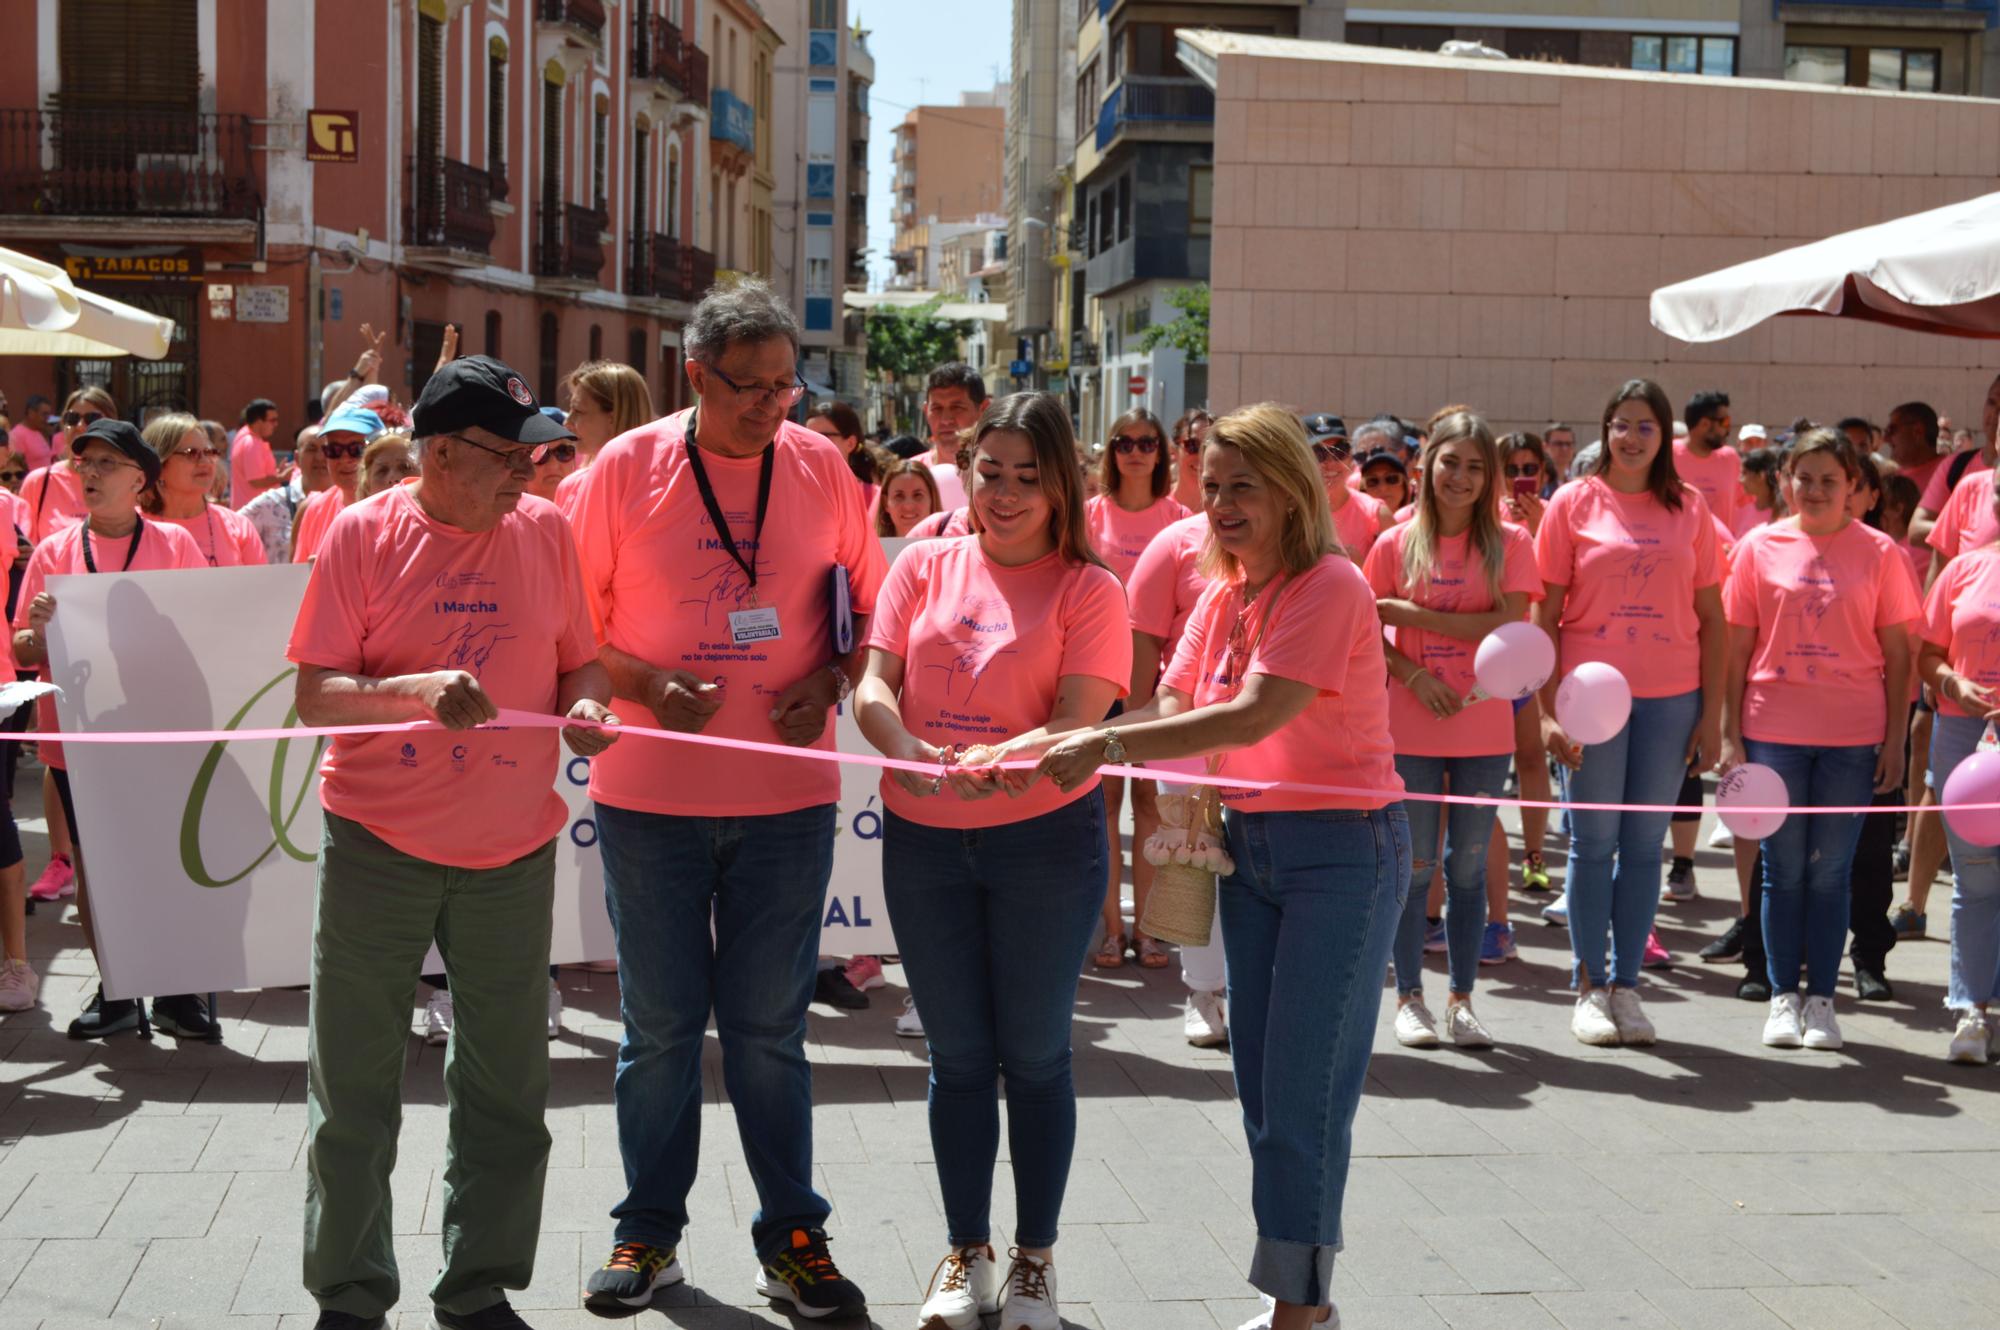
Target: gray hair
column 1374, row 429
column 747, row 310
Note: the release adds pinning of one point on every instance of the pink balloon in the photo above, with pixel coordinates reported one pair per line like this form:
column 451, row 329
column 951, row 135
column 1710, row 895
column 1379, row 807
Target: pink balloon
column 1514, row 660
column 1757, row 786
column 1594, row 702
column 1974, row 781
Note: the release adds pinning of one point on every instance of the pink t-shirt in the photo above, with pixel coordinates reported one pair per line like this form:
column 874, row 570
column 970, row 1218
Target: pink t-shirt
column 1920, row 559
column 951, row 487
column 1939, row 487
column 1457, row 585
column 1962, row 615
column 949, row 522
column 315, row 516
column 13, row 519
column 1631, row 567
column 1358, row 522
column 1748, row 518
column 250, row 459
column 1817, row 602
column 160, row 547
column 1718, row 477
column 566, row 491
column 1120, row 537
column 1166, row 583
column 1966, row 521
column 30, row 445
column 54, row 496
column 225, row 537
column 1323, row 632
column 984, row 649
column 662, row 589
column 1920, row 474
column 396, row 592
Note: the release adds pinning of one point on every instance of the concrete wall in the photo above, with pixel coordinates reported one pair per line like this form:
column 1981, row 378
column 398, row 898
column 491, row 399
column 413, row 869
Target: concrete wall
column 1397, row 232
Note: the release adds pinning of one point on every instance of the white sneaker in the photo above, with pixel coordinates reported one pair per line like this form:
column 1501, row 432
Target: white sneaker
column 1591, row 1022
column 555, row 1010
column 1822, row 1030
column 1030, row 1303
column 909, row 1024
column 1465, row 1029
column 1721, row 838
column 1557, row 910
column 1203, row 1023
column 965, row 1286
column 19, row 985
column 1630, row 1015
column 1781, row 1027
column 1415, row 1026
column 1971, row 1042
column 437, row 1018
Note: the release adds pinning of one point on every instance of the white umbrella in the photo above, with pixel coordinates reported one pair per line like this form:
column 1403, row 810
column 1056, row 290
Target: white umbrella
column 43, row 314
column 1936, row 271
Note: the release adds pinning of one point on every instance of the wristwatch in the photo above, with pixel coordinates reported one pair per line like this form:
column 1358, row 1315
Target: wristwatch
column 1114, row 748
column 840, row 679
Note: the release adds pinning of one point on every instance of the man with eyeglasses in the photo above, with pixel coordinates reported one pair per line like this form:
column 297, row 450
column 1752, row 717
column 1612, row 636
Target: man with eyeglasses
column 724, row 548
column 444, row 600
column 954, row 395
column 1559, row 440
column 343, row 437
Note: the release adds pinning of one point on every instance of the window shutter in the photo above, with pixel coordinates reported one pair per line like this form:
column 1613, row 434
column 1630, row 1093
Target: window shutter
column 128, row 54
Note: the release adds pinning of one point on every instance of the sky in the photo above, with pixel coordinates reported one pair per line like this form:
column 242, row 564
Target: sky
column 926, row 53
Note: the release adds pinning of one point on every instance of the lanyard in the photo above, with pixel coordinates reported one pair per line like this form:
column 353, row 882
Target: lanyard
column 722, row 532
column 131, row 551
column 208, row 511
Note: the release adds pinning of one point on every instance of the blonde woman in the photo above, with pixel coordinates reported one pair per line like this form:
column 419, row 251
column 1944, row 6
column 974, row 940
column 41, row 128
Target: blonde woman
column 389, row 459
column 184, row 497
column 606, row 399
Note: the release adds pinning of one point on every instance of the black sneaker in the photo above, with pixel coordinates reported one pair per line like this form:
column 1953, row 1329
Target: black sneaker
column 497, row 1317
column 1754, row 988
column 349, row 1321
column 630, row 1276
column 108, row 1016
column 832, row 988
column 1872, row 985
column 1728, row 947
column 185, row 1016
column 803, row 1274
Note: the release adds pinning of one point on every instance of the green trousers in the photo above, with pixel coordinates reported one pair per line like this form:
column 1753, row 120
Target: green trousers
column 376, row 913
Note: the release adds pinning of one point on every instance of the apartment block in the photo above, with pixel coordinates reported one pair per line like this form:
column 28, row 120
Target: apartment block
column 947, row 169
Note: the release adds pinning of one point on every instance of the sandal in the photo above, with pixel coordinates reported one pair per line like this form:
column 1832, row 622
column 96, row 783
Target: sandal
column 1152, row 954
column 1111, row 954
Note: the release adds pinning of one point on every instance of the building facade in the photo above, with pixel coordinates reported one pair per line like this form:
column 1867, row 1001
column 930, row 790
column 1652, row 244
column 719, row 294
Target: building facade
column 946, row 164
column 273, row 174
column 1037, row 143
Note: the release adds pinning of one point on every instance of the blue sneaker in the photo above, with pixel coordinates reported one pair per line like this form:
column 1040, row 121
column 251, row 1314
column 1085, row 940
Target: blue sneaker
column 1434, row 936
column 1497, row 947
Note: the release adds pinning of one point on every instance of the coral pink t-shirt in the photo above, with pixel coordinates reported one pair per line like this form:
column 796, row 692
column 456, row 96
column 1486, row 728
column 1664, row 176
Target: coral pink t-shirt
column 54, row 496
column 566, row 490
column 30, row 445
column 1323, row 632
column 1631, row 567
column 394, row 592
column 951, row 486
column 1166, row 583
column 160, row 547
column 315, row 517
column 1817, row 602
column 1940, row 488
column 948, row 522
column 1967, row 521
column 1457, row 585
column 1962, row 615
column 1920, row 474
column 663, row 588
column 13, row 519
column 1358, row 522
column 1748, row 518
column 984, row 650
column 1120, row 537
column 250, row 460
column 1718, row 476
column 225, row 537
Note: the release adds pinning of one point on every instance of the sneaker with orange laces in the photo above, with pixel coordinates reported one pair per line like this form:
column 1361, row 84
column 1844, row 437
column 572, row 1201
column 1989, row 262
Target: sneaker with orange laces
column 629, row 1278
column 802, row 1273
column 964, row 1287
column 57, row 880
column 1030, row 1300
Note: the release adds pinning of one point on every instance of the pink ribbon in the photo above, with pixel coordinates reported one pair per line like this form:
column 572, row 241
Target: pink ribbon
column 513, row 719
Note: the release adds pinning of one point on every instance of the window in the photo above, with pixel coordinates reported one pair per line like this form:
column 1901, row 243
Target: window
column 819, row 261
column 552, row 138
column 674, row 189
column 127, row 53
column 1086, row 101
column 825, row 13
column 1902, row 71
column 600, row 152
column 642, row 140
column 596, row 342
column 496, row 111
column 1816, row 64
column 493, row 334
column 551, row 342
column 635, row 350
column 1714, row 56
column 1124, row 207
column 1201, row 200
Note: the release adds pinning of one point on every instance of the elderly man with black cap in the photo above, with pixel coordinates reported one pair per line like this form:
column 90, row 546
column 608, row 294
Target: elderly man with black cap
column 443, row 600
column 114, row 467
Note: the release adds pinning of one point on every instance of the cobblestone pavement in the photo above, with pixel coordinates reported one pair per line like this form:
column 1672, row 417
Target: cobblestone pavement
column 1708, row 1182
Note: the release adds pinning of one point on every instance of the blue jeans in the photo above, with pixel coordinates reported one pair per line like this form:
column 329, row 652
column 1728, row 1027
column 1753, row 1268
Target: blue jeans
column 1307, row 920
column 1975, row 879
column 1808, row 859
column 760, row 882
column 1470, row 828
column 1614, row 858
column 994, row 923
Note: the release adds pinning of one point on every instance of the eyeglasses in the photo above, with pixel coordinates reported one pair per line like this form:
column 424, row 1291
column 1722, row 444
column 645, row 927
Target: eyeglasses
column 335, row 451
column 197, row 455
column 101, row 466
column 1128, row 445
column 563, row 453
column 1524, row 469
column 1337, row 451
column 532, row 454
column 74, row 418
column 1645, row 429
column 760, row 395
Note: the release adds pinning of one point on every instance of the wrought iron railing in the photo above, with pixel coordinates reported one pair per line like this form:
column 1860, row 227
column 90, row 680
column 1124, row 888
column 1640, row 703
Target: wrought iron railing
column 127, row 161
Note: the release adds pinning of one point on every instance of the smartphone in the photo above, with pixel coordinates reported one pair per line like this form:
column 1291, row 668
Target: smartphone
column 1526, row 485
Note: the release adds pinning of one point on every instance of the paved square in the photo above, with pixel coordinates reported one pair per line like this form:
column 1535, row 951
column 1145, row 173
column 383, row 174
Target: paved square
column 1706, row 1183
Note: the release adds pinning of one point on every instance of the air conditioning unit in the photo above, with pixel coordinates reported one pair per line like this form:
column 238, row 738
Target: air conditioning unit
column 170, row 183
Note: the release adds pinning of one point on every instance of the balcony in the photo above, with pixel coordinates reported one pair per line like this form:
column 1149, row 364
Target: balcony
column 732, row 121
column 572, row 245
column 697, row 272
column 1154, row 101
column 92, row 173
column 447, row 213
column 661, row 53
column 585, row 17
column 653, row 266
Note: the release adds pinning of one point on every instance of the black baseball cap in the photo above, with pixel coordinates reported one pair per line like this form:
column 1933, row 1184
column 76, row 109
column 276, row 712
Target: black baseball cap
column 479, row 391
column 1386, row 458
column 1320, row 427
column 124, row 436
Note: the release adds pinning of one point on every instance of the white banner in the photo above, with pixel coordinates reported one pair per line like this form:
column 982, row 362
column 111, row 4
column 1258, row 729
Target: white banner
column 201, row 856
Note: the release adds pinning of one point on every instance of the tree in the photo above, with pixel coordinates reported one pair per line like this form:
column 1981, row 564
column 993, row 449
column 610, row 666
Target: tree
column 910, row 339
column 1187, row 333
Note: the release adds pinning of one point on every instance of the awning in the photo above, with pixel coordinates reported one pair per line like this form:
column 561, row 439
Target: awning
column 42, row 313
column 986, row 310
column 1936, row 271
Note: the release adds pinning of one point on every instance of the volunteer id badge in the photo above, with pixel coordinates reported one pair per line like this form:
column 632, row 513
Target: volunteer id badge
column 754, row 625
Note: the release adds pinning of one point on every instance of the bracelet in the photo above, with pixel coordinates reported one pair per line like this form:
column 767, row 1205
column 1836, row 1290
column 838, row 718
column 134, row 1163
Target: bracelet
column 840, row 679
column 354, row 374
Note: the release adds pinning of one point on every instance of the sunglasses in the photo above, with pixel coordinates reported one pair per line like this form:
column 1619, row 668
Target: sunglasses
column 1190, row 446
column 560, row 452
column 1337, row 451
column 74, row 418
column 1381, row 478
column 1128, row 445
column 13, row 475
column 1525, row 469
column 335, row 451
column 197, row 454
